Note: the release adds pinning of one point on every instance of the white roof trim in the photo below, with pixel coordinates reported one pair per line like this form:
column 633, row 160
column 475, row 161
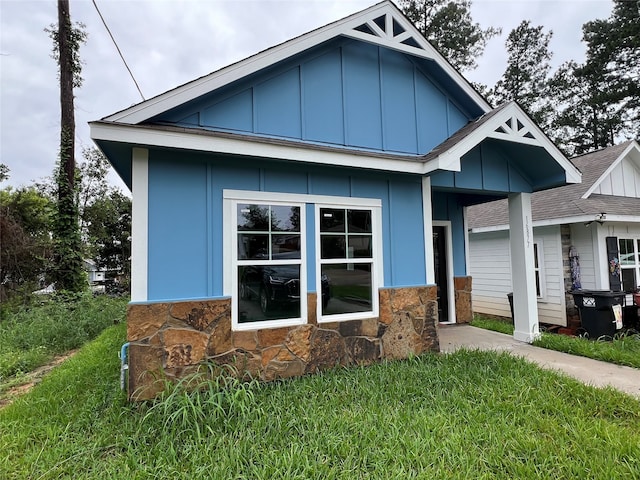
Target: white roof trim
column 562, row 221
column 632, row 146
column 154, row 137
column 514, row 125
column 345, row 27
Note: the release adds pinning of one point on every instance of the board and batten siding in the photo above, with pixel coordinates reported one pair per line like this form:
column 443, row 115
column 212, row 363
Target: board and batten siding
column 490, row 268
column 345, row 93
column 623, row 181
column 185, row 237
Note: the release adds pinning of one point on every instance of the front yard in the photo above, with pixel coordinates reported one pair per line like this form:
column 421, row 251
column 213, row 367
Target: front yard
column 623, row 349
column 464, row 415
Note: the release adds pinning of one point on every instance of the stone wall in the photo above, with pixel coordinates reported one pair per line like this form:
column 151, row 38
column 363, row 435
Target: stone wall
column 464, row 307
column 171, row 340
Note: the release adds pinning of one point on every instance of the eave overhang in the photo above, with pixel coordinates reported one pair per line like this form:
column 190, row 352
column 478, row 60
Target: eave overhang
column 254, row 146
column 507, row 123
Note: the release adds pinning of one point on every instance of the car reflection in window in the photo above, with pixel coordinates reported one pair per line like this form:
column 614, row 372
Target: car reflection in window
column 276, row 290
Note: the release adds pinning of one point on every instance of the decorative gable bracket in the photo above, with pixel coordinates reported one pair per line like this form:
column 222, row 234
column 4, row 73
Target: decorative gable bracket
column 391, row 32
column 514, row 130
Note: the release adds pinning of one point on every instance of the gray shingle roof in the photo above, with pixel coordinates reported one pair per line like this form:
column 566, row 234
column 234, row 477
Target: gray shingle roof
column 565, row 201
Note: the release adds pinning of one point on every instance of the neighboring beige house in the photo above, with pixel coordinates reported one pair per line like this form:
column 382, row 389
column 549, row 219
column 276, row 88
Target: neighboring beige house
column 593, row 225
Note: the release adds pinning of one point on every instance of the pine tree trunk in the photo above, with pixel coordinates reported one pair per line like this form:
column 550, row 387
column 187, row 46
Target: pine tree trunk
column 68, row 272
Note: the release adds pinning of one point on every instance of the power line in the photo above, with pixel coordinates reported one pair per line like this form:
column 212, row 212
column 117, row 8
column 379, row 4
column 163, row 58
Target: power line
column 118, row 48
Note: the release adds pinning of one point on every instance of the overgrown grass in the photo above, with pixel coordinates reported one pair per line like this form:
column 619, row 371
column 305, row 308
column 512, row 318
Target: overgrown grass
column 458, row 416
column 624, row 349
column 32, row 335
column 502, row 326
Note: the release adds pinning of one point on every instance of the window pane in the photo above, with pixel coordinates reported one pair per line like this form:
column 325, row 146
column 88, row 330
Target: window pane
column 359, row 246
column 346, row 288
column 629, row 279
column 626, row 252
column 268, row 293
column 359, row 221
column 285, row 219
column 285, row 246
column 253, row 217
column 332, row 246
column 331, row 220
column 253, row 247
column 535, row 255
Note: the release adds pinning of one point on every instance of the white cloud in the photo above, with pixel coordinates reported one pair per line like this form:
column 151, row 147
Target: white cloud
column 167, row 43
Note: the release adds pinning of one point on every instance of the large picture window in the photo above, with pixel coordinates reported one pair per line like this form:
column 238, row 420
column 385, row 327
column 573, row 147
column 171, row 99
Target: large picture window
column 346, row 265
column 269, row 263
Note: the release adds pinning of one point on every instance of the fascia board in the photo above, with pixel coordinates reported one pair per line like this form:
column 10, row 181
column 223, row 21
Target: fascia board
column 632, row 148
column 138, row 135
column 345, row 27
column 538, row 223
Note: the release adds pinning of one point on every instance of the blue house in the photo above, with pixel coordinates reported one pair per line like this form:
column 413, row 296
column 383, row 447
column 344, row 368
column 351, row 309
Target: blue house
column 305, row 207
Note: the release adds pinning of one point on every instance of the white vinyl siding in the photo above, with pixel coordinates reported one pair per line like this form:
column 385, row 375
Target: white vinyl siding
column 490, row 269
column 491, row 272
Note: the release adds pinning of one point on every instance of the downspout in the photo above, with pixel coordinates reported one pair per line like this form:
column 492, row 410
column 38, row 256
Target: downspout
column 124, row 364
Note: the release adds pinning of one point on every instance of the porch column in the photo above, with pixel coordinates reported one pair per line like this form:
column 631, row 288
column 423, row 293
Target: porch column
column 525, row 306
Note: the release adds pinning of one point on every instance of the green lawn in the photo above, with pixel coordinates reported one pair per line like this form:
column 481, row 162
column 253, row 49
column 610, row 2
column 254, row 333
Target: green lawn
column 32, row 335
column 464, row 415
column 624, row 349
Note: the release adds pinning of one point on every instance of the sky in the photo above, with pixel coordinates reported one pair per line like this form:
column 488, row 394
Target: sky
column 167, row 43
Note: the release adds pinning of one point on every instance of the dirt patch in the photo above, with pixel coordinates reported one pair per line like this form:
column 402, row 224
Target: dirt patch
column 32, row 379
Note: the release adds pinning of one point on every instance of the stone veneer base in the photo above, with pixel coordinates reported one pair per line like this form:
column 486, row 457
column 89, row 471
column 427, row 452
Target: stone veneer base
column 169, row 340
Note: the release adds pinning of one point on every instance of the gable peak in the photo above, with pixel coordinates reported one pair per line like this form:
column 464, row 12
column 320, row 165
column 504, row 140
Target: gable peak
column 389, row 27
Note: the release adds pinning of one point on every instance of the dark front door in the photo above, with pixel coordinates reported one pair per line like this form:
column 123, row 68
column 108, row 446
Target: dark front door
column 440, row 264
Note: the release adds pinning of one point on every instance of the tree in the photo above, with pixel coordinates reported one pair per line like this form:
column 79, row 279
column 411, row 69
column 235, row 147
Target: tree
column 105, row 215
column 4, row 172
column 25, row 235
column 582, row 121
column 597, row 103
column 525, row 79
column 93, row 184
column 448, row 26
column 68, row 272
column 108, row 229
column 613, row 51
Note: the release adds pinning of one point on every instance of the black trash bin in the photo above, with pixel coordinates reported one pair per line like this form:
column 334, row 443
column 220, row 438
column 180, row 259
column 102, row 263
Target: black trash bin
column 596, row 308
column 510, row 298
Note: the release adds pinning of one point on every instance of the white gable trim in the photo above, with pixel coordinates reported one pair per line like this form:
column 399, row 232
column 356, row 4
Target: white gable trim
column 632, row 151
column 345, row 27
column 514, row 125
column 152, row 137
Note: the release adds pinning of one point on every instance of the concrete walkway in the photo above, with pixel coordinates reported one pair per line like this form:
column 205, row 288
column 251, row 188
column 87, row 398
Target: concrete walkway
column 591, row 372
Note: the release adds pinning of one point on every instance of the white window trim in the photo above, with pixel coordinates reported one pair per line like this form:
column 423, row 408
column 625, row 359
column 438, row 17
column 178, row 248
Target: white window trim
column 636, row 249
column 375, row 261
column 540, row 270
column 230, row 209
column 230, row 244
